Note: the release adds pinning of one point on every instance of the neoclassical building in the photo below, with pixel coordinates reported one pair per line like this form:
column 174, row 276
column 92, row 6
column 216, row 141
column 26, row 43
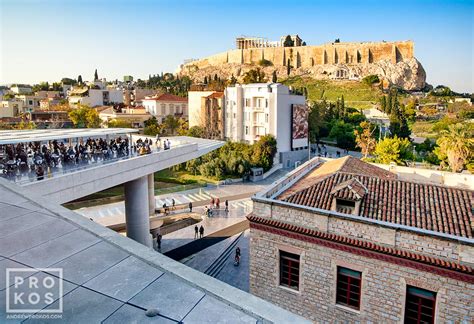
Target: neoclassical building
column 346, row 241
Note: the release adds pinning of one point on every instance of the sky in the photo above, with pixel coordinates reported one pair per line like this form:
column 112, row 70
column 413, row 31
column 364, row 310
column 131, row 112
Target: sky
column 46, row 40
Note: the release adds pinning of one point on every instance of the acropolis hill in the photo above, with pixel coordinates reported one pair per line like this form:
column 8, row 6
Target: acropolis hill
column 393, row 62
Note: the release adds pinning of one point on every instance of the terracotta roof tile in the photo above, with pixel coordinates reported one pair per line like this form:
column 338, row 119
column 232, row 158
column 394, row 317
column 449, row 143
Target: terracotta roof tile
column 167, row 97
column 422, row 205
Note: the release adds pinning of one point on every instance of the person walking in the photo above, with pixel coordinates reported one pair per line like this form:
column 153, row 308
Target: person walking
column 237, row 256
column 201, row 232
column 218, row 202
column 190, row 207
column 226, row 206
column 173, row 202
column 196, row 231
column 158, row 241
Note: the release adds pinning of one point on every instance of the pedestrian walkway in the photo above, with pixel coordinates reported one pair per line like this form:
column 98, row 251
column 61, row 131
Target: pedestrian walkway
column 114, row 213
column 214, row 226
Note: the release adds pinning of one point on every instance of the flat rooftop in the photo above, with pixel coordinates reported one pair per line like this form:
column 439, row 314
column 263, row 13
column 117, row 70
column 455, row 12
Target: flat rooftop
column 39, row 135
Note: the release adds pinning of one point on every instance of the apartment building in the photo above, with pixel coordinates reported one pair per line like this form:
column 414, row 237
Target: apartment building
column 166, row 104
column 255, row 110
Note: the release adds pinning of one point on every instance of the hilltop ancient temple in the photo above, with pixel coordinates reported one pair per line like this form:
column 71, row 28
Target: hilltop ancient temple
column 393, row 62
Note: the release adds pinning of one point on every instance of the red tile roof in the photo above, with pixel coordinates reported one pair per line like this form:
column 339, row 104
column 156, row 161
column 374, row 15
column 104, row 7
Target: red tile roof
column 346, row 164
column 426, row 206
column 167, row 97
column 216, row 95
column 302, row 232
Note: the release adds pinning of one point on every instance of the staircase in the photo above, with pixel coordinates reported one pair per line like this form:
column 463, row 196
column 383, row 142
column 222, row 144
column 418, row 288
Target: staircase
column 218, row 264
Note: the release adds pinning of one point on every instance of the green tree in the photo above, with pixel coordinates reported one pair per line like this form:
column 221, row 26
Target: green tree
column 196, row 131
column 364, row 138
column 264, row 151
column 393, row 149
column 25, row 125
column 371, row 79
column 343, row 133
column 151, row 121
column 96, row 76
column 233, row 80
column 119, row 123
column 153, row 130
column 456, row 146
column 383, row 103
column 171, row 124
column 254, row 76
column 288, row 67
column 205, row 80
column 68, row 81
column 183, row 127
column 85, row 117
column 274, row 76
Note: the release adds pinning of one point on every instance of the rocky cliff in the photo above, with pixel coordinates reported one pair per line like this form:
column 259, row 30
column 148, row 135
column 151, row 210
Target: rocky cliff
column 407, row 74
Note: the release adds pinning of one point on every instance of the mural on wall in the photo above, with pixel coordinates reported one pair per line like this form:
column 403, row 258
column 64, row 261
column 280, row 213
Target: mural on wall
column 300, row 121
column 299, row 125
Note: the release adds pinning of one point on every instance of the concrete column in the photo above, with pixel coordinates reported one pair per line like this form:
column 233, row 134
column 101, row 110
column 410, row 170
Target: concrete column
column 137, row 211
column 151, row 194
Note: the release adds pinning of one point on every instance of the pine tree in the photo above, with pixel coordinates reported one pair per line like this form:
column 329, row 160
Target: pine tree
column 79, row 79
column 288, row 67
column 205, row 80
column 96, row 76
column 215, row 77
column 274, row 76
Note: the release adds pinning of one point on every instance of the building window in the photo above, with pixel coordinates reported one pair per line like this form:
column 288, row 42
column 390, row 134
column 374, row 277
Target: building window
column 348, row 287
column 266, row 118
column 345, row 206
column 420, row 306
column 266, row 103
column 247, row 102
column 30, row 102
column 246, row 130
column 289, row 270
column 235, row 116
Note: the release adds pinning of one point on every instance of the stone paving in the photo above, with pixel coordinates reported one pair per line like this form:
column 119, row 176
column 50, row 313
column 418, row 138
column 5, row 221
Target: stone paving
column 237, row 212
column 114, row 213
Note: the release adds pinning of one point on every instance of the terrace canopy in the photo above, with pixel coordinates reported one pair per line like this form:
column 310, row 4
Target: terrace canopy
column 40, row 135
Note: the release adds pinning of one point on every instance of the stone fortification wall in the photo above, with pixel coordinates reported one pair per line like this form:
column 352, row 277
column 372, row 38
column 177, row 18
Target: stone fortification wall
column 308, row 56
column 393, row 62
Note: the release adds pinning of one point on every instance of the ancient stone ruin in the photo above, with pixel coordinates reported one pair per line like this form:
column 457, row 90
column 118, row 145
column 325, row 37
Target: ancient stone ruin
column 393, row 62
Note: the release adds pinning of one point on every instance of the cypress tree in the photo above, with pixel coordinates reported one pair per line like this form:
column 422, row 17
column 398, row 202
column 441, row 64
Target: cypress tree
column 274, row 76
column 288, row 67
column 205, row 80
column 96, row 76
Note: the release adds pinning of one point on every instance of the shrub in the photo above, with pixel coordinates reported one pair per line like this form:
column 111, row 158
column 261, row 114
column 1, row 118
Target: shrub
column 264, row 63
column 371, row 79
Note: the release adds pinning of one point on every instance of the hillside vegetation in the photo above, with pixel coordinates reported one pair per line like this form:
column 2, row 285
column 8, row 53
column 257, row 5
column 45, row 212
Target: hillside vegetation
column 356, row 94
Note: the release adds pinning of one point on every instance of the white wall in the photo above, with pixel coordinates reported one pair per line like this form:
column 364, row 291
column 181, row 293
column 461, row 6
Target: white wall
column 278, row 110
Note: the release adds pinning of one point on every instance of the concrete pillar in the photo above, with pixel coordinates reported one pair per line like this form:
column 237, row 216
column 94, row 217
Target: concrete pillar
column 136, row 210
column 151, row 194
